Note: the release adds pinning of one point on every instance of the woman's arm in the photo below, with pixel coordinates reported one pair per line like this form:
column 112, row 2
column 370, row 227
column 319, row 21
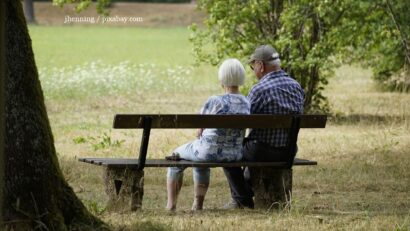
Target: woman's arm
column 210, row 107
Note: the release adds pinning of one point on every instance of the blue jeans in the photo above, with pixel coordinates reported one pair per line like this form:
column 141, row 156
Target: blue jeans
column 200, row 175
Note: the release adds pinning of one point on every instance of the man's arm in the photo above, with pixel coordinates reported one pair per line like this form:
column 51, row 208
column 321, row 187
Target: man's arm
column 255, row 100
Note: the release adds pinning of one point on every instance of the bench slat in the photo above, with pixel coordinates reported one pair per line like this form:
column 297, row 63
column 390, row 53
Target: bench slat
column 133, row 163
column 127, row 121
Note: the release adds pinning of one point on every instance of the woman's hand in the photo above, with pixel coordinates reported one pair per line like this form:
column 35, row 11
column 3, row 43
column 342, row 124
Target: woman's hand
column 199, row 133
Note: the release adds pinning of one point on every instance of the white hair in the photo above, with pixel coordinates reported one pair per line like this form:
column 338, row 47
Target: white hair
column 231, row 73
column 275, row 62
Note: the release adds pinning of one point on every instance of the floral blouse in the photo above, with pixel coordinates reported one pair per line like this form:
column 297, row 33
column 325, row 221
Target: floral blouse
column 221, row 144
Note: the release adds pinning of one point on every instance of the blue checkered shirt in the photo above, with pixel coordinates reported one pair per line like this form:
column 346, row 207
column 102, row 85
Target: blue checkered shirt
column 275, row 93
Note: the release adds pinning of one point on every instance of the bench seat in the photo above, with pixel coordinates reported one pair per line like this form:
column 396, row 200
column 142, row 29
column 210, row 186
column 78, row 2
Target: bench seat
column 133, row 163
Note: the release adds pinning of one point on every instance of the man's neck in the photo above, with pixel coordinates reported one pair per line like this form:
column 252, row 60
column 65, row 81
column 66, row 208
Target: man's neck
column 270, row 70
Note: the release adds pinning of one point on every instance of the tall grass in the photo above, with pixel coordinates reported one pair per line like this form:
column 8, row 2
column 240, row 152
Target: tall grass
column 124, row 78
column 362, row 181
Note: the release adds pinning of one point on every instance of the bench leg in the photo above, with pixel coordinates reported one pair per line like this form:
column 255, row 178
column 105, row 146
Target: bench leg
column 272, row 187
column 125, row 189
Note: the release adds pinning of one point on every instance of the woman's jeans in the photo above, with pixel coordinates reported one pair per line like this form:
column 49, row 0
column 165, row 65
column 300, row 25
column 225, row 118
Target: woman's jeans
column 200, row 175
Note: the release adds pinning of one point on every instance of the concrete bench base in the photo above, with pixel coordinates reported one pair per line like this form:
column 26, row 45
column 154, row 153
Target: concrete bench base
column 125, row 188
column 272, row 187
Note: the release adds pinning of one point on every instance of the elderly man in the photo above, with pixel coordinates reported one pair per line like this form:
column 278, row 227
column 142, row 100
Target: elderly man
column 275, row 93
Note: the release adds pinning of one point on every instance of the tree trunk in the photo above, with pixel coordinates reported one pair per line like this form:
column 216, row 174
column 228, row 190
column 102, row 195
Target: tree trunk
column 2, row 76
column 36, row 196
column 29, row 11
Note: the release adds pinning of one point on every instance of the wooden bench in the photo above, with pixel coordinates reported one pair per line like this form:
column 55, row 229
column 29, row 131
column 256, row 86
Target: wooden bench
column 271, row 181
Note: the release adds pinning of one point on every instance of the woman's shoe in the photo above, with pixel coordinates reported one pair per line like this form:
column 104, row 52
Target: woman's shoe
column 175, row 156
column 171, row 209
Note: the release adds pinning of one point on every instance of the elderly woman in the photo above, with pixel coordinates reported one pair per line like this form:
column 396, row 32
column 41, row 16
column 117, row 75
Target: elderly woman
column 212, row 145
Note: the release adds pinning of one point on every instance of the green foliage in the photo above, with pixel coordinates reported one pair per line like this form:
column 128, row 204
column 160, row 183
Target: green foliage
column 79, row 140
column 312, row 37
column 383, row 40
column 100, row 142
column 154, row 1
column 299, row 30
column 105, row 141
column 94, row 207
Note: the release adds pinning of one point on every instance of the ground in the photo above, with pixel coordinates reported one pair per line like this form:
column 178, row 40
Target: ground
column 88, row 74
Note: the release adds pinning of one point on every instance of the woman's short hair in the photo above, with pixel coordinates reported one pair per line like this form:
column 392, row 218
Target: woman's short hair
column 231, row 73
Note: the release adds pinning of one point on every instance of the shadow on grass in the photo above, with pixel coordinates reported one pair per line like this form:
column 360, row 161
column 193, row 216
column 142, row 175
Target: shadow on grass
column 146, row 226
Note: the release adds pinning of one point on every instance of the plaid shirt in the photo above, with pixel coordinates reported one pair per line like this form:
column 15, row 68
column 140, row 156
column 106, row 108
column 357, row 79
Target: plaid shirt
column 275, row 93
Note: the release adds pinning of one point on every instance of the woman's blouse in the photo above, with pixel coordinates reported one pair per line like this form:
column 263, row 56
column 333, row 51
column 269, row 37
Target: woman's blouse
column 221, row 144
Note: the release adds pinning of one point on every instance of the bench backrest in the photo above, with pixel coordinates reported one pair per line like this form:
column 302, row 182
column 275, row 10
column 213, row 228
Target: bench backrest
column 129, row 121
column 186, row 121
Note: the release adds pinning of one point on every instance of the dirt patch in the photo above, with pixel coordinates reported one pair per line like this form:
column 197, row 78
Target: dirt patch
column 121, row 14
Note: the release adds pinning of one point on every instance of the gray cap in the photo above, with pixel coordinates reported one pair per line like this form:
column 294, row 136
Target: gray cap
column 264, row 53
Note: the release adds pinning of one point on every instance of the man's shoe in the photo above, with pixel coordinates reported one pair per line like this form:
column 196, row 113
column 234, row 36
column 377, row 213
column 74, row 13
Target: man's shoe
column 232, row 204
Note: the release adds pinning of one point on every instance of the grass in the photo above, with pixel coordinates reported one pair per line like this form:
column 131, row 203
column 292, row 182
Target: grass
column 88, row 74
column 71, row 45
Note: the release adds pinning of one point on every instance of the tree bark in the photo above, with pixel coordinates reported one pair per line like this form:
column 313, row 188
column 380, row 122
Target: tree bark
column 2, row 129
column 36, row 196
column 29, row 11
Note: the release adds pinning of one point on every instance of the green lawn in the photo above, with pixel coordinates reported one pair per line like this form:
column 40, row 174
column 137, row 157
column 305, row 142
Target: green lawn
column 78, row 62
column 71, row 45
column 88, row 74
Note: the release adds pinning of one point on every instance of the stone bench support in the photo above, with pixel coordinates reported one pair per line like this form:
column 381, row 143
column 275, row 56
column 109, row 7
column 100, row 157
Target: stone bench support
column 125, row 188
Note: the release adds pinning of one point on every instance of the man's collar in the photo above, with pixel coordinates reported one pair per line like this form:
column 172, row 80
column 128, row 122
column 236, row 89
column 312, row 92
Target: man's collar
column 271, row 74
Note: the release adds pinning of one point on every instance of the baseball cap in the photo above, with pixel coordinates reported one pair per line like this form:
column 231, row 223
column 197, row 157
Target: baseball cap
column 264, row 53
